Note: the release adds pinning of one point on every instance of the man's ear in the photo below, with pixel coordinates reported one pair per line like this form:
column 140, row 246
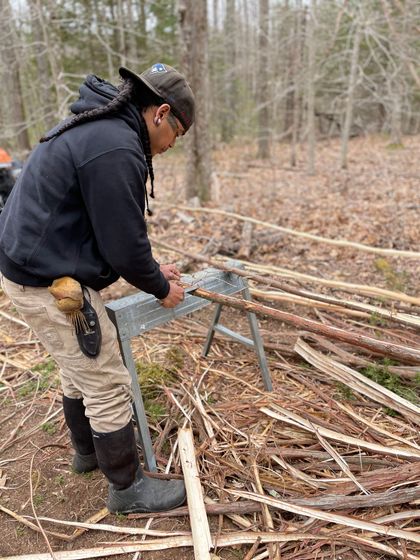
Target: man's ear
column 163, row 111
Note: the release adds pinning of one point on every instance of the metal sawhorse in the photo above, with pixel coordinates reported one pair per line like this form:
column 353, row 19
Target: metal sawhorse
column 136, row 314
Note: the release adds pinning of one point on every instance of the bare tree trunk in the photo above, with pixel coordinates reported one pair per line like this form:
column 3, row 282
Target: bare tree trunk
column 289, row 69
column 281, row 70
column 43, row 67
column 310, row 88
column 11, row 78
column 350, row 95
column 215, row 14
column 297, row 69
column 143, row 40
column 248, row 43
column 104, row 36
column 132, row 29
column 121, row 33
column 228, row 84
column 53, row 49
column 193, row 22
column 263, row 89
column 394, row 76
column 396, row 120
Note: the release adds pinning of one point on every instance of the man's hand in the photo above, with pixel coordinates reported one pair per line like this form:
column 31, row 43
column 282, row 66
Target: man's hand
column 175, row 296
column 170, row 271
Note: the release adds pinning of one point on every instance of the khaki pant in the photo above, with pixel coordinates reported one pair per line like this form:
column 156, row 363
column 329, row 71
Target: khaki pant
column 103, row 382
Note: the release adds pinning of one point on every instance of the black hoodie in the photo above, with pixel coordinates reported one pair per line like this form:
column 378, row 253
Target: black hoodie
column 77, row 208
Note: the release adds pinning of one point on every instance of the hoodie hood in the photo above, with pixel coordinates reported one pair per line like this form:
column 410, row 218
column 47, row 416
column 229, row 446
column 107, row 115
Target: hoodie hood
column 93, row 93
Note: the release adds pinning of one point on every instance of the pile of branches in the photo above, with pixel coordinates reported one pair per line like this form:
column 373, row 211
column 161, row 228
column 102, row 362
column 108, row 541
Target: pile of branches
column 326, row 465
column 328, row 476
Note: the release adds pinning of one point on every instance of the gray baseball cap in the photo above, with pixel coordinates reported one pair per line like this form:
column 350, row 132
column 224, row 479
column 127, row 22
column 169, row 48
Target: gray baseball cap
column 169, row 85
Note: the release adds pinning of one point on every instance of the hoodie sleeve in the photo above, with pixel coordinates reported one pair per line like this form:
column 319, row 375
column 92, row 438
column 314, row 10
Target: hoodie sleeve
column 113, row 189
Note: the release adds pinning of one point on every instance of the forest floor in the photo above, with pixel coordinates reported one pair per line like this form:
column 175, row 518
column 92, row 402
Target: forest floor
column 375, row 202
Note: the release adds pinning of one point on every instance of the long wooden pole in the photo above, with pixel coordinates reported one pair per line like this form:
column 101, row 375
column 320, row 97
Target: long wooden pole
column 401, row 353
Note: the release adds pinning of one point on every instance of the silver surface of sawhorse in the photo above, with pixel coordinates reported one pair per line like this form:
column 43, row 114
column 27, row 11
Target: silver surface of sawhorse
column 139, row 313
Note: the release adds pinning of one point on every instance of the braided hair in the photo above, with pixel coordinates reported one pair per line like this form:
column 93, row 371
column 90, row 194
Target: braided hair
column 127, row 92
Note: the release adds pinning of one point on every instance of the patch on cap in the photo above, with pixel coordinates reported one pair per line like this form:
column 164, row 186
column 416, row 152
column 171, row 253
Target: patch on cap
column 158, row 68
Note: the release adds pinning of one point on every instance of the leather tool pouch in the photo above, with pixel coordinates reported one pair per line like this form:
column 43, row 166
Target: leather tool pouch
column 89, row 334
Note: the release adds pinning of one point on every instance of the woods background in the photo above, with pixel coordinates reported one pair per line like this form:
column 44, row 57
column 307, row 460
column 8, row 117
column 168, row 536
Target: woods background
column 290, row 71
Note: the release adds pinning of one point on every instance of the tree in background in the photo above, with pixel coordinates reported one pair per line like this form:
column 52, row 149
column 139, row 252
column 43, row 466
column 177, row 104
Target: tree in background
column 42, row 55
column 263, row 81
column 228, row 82
column 353, row 77
column 311, row 86
column 13, row 110
column 294, row 105
column 193, row 23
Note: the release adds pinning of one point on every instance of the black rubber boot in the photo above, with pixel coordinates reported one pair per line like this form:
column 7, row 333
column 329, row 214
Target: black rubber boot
column 81, row 435
column 130, row 490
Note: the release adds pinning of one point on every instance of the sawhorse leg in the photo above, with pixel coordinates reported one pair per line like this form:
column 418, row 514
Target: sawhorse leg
column 139, row 412
column 256, row 342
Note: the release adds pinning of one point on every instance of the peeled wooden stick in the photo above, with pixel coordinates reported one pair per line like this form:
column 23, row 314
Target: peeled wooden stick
column 31, row 525
column 212, row 508
column 114, row 529
column 363, row 289
column 289, row 417
column 200, row 529
column 231, row 539
column 345, row 520
column 13, row 319
column 356, row 309
column 274, row 550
